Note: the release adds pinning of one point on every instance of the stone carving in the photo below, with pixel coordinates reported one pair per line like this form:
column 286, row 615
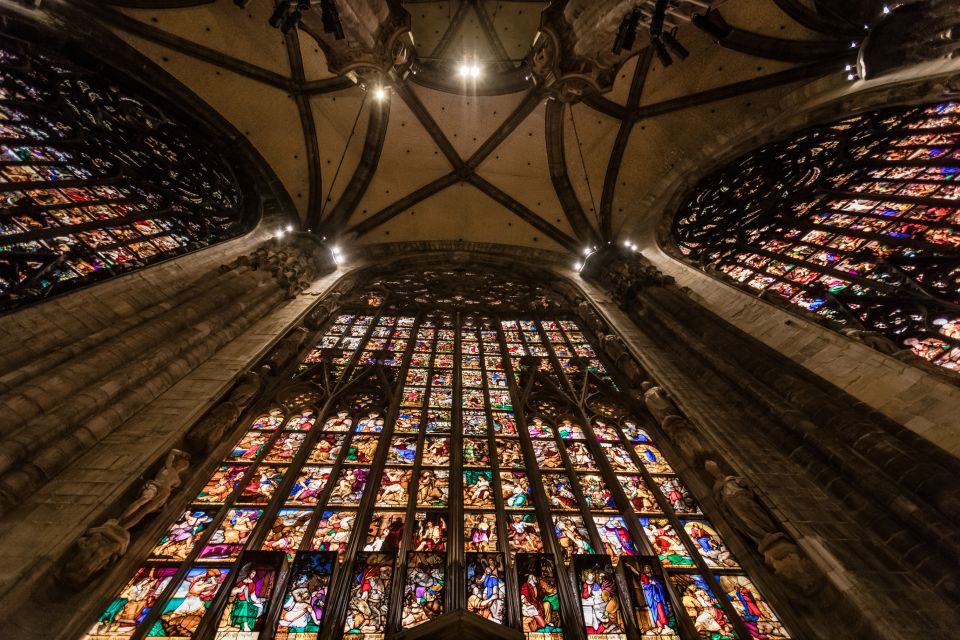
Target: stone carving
column 591, row 318
column 326, row 308
column 207, row 433
column 285, row 351
column 100, row 546
column 156, row 491
column 872, row 339
column 684, row 435
column 293, row 264
column 658, row 402
column 752, row 519
column 94, row 551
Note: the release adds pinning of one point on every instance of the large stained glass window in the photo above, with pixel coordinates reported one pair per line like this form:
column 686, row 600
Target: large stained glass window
column 442, row 453
column 96, row 179
column 857, row 221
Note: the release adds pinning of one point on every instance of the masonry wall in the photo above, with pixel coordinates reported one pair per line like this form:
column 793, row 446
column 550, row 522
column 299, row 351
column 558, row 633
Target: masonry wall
column 133, row 323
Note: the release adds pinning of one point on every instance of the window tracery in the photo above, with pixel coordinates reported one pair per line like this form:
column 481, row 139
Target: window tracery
column 857, row 222
column 430, row 456
column 96, row 178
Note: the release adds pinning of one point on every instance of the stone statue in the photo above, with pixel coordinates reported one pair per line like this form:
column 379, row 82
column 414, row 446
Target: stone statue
column 752, row 519
column 613, row 346
column 658, row 402
column 286, row 350
column 738, row 500
column 685, row 437
column 207, row 432
column 872, row 339
column 157, row 491
column 323, row 311
column 94, row 551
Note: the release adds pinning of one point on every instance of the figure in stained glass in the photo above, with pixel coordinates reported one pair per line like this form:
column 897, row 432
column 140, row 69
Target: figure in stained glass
column 666, row 542
column 599, row 600
column 652, row 610
column 539, row 598
column 249, row 596
column 385, row 532
column 185, row 609
column 423, row 591
column 369, row 594
column 130, row 607
column 702, row 607
column 486, row 590
column 302, row 608
column 178, row 541
column 430, row 533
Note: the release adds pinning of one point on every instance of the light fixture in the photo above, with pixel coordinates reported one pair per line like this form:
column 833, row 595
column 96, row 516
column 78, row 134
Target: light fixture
column 379, row 94
column 578, row 266
column 289, row 227
column 626, row 243
column 886, row 9
column 586, row 252
column 468, row 70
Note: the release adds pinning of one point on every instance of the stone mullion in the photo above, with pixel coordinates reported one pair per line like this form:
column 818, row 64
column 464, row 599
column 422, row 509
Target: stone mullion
column 571, row 616
column 394, row 613
column 561, row 447
column 336, row 609
column 512, row 617
column 456, row 569
column 42, row 458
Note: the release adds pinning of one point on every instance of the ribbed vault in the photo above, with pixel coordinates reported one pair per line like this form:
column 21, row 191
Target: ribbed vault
column 507, row 159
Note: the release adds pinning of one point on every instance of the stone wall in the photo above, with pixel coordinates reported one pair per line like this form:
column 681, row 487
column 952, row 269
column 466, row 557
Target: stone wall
column 122, row 370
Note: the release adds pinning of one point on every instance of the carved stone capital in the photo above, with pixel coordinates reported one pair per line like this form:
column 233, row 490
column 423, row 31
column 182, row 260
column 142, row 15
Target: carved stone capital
column 294, row 261
column 909, row 34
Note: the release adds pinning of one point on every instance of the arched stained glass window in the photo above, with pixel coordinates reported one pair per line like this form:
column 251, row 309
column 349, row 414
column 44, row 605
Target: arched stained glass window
column 857, row 222
column 436, row 453
column 96, row 179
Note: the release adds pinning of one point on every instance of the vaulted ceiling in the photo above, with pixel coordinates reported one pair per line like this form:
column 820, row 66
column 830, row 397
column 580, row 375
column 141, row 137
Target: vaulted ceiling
column 517, row 156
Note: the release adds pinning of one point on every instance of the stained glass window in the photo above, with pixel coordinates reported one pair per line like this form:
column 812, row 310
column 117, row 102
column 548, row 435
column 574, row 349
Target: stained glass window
column 104, row 182
column 857, row 222
column 439, row 454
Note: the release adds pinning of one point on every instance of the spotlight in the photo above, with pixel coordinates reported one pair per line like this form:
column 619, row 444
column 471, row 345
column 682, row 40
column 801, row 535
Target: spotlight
column 627, row 32
column 626, row 243
column 290, row 21
column 661, row 52
column 464, row 71
column 331, row 19
column 886, row 9
column 474, row 71
column 586, row 252
column 674, row 46
column 379, row 94
column 289, row 227
column 578, row 266
column 276, row 18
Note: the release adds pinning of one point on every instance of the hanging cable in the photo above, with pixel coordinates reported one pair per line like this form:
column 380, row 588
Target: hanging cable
column 583, row 163
column 346, row 147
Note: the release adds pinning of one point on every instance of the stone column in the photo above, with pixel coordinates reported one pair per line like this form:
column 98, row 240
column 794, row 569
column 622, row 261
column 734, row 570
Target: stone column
column 59, row 406
column 840, row 502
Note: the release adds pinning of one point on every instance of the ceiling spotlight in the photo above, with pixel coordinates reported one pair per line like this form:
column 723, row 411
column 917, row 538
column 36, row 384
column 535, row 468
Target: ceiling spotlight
column 886, row 9
column 380, row 93
column 578, row 266
column 469, row 71
column 279, row 12
column 626, row 243
column 586, row 252
column 289, row 227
